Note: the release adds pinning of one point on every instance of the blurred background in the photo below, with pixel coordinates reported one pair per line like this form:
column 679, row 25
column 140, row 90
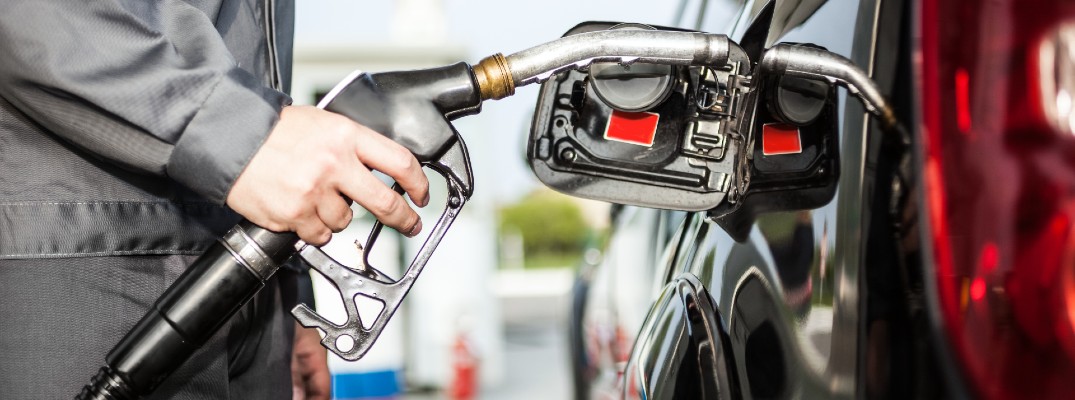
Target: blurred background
column 488, row 315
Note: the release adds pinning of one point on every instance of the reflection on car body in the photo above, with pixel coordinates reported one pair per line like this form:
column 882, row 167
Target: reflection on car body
column 932, row 265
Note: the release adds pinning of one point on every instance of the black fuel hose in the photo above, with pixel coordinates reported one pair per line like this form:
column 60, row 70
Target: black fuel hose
column 191, row 310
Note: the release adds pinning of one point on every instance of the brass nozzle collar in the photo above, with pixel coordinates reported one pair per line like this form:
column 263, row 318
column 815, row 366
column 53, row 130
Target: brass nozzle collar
column 494, row 78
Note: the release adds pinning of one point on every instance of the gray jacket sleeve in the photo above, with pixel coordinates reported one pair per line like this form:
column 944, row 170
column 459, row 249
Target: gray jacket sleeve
column 147, row 85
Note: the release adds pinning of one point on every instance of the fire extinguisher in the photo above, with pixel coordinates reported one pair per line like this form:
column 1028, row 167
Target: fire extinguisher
column 464, row 379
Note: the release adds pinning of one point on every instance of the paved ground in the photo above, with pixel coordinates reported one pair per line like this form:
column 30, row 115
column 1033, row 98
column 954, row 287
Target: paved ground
column 537, row 364
column 536, row 356
column 536, row 359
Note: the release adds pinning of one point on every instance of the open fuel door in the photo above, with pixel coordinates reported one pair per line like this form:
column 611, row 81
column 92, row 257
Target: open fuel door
column 715, row 138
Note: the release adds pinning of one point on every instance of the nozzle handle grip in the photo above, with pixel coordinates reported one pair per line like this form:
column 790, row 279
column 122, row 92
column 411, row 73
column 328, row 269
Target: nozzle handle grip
column 412, row 108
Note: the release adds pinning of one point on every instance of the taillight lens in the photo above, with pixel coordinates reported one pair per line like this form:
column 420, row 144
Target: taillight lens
column 997, row 91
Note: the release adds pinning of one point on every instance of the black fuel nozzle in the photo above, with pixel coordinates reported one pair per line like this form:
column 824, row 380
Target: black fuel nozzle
column 415, row 109
column 412, row 108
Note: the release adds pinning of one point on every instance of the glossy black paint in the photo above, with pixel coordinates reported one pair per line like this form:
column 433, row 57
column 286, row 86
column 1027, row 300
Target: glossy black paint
column 684, row 351
column 822, row 299
column 757, row 330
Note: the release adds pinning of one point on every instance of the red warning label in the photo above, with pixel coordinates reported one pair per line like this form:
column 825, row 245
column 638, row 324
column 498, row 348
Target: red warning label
column 780, row 139
column 632, row 127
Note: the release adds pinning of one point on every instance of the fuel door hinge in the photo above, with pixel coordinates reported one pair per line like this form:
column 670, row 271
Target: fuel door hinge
column 724, row 101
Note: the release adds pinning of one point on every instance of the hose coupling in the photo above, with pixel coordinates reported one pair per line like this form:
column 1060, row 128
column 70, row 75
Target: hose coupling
column 494, row 78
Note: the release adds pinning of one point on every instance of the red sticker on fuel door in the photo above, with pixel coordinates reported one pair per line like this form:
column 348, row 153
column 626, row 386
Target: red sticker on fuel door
column 632, row 127
column 780, row 139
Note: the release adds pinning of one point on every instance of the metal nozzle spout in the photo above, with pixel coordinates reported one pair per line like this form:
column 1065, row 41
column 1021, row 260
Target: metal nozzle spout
column 498, row 76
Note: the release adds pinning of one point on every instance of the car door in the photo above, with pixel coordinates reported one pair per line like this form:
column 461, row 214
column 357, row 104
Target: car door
column 787, row 294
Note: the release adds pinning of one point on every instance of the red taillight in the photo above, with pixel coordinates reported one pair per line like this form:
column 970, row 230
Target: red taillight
column 996, row 87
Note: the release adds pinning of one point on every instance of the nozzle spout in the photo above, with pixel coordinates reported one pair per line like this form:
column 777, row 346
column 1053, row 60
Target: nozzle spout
column 498, row 76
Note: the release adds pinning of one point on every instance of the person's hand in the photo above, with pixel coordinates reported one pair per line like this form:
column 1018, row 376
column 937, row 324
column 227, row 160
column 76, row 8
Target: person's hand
column 312, row 162
column 310, row 378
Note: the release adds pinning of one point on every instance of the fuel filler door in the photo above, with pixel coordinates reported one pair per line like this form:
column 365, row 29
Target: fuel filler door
column 685, row 138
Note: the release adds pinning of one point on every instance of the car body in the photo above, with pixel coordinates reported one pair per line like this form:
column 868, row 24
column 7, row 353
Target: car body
column 901, row 284
column 612, row 296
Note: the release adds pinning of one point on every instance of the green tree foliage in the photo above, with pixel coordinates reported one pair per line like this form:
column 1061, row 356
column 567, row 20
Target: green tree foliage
column 550, row 223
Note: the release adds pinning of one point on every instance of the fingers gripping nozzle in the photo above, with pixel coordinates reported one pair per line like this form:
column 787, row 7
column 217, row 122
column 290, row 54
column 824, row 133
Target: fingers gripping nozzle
column 413, row 108
column 354, row 337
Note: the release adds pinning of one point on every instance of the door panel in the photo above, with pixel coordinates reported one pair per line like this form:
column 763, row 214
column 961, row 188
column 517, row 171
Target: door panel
column 792, row 284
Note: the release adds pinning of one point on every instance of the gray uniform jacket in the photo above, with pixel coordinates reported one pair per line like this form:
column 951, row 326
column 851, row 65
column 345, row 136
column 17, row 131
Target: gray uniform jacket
column 124, row 123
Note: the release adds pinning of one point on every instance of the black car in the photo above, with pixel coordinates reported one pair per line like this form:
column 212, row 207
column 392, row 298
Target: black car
column 934, row 261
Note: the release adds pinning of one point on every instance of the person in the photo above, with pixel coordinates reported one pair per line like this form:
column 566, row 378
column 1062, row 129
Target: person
column 132, row 134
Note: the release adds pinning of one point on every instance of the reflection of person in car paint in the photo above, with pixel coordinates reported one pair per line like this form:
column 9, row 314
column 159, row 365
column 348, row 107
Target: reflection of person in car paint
column 794, row 255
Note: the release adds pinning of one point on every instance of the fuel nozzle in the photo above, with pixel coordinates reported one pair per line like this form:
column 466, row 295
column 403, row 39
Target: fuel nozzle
column 414, row 109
